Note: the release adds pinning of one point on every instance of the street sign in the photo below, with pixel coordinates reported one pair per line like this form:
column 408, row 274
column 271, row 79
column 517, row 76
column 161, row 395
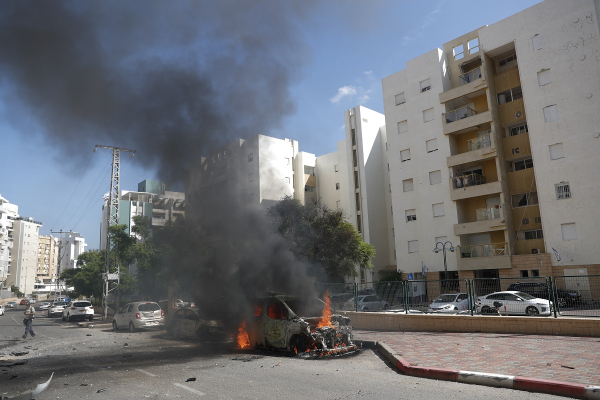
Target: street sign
column 410, row 277
column 113, row 277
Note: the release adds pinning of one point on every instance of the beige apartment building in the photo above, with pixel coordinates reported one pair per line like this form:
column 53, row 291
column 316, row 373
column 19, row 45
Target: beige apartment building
column 47, row 259
column 493, row 144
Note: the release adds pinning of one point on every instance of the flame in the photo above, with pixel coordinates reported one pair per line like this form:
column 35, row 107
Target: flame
column 326, row 318
column 243, row 340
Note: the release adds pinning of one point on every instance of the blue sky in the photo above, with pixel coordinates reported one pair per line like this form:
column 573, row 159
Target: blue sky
column 348, row 48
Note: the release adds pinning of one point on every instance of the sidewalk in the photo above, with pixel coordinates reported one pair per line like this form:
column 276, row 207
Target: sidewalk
column 556, row 358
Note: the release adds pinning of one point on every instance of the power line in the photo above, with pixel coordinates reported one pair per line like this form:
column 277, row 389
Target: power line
column 77, row 185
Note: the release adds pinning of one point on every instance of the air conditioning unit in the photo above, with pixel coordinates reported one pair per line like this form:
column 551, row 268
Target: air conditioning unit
column 535, row 251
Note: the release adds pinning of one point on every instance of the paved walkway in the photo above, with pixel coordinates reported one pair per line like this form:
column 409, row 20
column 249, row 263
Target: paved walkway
column 558, row 358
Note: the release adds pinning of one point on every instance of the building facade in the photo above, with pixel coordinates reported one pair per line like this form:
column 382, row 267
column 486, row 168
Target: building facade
column 72, row 245
column 493, row 140
column 22, row 270
column 8, row 212
column 47, row 259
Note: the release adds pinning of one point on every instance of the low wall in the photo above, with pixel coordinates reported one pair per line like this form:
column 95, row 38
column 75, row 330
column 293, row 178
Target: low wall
column 564, row 326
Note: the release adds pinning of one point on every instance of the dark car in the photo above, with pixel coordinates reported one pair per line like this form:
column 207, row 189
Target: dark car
column 540, row 290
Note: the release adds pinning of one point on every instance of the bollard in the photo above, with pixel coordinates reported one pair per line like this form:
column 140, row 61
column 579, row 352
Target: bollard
column 505, row 312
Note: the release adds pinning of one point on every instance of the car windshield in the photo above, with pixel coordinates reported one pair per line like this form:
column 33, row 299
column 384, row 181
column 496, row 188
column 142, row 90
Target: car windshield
column 445, row 298
column 60, row 303
column 525, row 296
column 148, row 307
column 82, row 304
column 306, row 307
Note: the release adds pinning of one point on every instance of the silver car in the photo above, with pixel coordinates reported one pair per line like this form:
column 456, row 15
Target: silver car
column 450, row 303
column 56, row 308
column 138, row 315
column 368, row 303
column 513, row 303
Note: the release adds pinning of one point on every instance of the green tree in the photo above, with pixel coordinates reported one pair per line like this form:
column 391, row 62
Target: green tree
column 86, row 279
column 322, row 237
column 16, row 291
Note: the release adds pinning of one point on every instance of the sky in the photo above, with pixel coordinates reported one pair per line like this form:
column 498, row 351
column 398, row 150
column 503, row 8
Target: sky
column 284, row 69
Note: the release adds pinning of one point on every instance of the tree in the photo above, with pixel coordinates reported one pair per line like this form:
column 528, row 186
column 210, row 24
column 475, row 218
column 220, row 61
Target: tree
column 87, row 278
column 16, row 291
column 322, row 237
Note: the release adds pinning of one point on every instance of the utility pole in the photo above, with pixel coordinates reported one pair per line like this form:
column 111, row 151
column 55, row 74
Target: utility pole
column 113, row 213
column 59, row 259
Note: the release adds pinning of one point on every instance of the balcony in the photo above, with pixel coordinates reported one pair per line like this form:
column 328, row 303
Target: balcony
column 473, row 185
column 464, row 119
column 526, row 218
column 516, row 146
column 476, row 149
column 488, row 220
column 532, row 246
column 511, row 112
column 484, row 256
column 467, row 180
column 460, row 113
column 485, row 214
column 468, row 83
column 469, row 76
column 522, row 181
column 481, row 142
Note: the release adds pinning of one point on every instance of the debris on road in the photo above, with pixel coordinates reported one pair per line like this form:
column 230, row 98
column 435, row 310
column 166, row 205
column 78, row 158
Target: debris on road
column 14, row 363
column 566, row 366
column 30, row 394
column 190, row 380
column 18, row 353
column 100, row 390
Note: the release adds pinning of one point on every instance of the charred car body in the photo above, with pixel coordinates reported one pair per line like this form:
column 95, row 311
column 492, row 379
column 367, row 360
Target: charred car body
column 300, row 326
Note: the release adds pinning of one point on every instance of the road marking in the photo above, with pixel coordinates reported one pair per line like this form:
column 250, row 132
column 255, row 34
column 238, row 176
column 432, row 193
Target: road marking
column 199, row 393
column 145, row 372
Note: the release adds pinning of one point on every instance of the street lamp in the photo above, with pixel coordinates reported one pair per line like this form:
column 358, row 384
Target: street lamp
column 443, row 249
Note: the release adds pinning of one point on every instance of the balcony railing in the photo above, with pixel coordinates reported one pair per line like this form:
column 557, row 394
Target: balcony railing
column 470, row 76
column 460, row 113
column 484, row 250
column 484, row 214
column 481, row 141
column 463, row 181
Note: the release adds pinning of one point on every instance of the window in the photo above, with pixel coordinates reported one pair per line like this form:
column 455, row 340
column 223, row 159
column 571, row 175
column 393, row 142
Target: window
column 310, row 189
column 390, row 188
column 357, row 200
column 538, row 42
column 524, row 199
column 338, row 204
column 413, row 246
column 520, row 165
column 407, row 185
column 336, row 168
column 405, row 155
column 507, row 61
column 537, row 234
column 440, row 239
column 550, row 113
column 392, row 210
column 428, row 115
column 458, row 52
column 431, row 145
column 286, row 161
column 402, row 126
column 400, row 99
column 563, row 191
column 337, row 186
column 517, row 130
column 386, row 146
column 250, row 157
column 425, row 85
column 510, row 95
column 411, row 215
column 556, row 151
column 537, row 220
column 393, row 233
column 435, row 177
column 250, row 177
column 287, row 179
column 438, row 210
column 473, row 46
column 569, row 232
column 544, row 77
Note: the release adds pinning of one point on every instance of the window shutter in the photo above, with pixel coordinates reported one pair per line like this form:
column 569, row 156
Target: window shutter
column 438, row 210
column 405, row 155
column 544, row 77
column 539, row 42
column 413, row 246
column 431, row 145
column 435, row 177
column 402, row 127
column 550, row 113
column 428, row 115
column 569, row 232
column 411, row 215
column 425, row 85
column 400, row 99
column 556, row 151
column 407, row 185
column 441, row 239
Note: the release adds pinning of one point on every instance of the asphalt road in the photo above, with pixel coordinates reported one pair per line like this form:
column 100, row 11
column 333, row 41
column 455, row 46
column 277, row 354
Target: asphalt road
column 96, row 363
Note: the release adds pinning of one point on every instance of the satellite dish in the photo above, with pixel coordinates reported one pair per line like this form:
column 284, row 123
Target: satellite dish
column 518, row 114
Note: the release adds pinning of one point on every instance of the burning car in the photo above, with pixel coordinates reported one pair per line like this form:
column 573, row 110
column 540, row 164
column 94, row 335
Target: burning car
column 295, row 325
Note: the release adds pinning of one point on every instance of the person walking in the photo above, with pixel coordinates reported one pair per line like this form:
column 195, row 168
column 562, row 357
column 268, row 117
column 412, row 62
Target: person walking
column 28, row 321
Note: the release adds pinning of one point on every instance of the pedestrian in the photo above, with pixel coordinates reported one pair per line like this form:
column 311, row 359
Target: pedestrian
column 28, row 321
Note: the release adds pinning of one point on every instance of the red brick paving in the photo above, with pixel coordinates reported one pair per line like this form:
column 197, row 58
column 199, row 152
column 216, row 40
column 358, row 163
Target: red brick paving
column 558, row 358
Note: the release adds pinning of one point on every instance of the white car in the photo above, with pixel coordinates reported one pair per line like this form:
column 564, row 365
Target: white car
column 44, row 305
column 1, row 309
column 368, row 303
column 56, row 308
column 450, row 303
column 78, row 309
column 137, row 315
column 11, row 304
column 515, row 303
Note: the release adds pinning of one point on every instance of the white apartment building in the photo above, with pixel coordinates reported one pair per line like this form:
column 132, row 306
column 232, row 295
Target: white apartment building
column 8, row 212
column 72, row 245
column 24, row 254
column 492, row 145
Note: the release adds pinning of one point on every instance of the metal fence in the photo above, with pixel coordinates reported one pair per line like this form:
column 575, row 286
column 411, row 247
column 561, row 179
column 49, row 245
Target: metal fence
column 537, row 296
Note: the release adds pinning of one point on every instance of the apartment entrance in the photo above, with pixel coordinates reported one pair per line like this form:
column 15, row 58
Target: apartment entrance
column 486, row 281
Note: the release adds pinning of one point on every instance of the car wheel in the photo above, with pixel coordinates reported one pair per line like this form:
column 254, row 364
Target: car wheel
column 531, row 310
column 455, row 308
column 561, row 302
column 131, row 327
column 365, row 309
column 115, row 327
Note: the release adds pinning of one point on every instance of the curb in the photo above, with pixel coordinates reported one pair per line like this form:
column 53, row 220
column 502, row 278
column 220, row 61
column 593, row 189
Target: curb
column 567, row 389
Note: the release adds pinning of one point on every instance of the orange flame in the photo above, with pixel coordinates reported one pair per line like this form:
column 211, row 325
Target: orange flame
column 326, row 318
column 243, row 340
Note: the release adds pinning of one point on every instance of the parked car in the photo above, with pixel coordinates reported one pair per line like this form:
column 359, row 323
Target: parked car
column 450, row 303
column 78, row 310
column 32, row 300
column 368, row 303
column 540, row 290
column 56, row 308
column 45, row 305
column 1, row 309
column 139, row 314
column 24, row 302
column 187, row 323
column 11, row 304
column 515, row 303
